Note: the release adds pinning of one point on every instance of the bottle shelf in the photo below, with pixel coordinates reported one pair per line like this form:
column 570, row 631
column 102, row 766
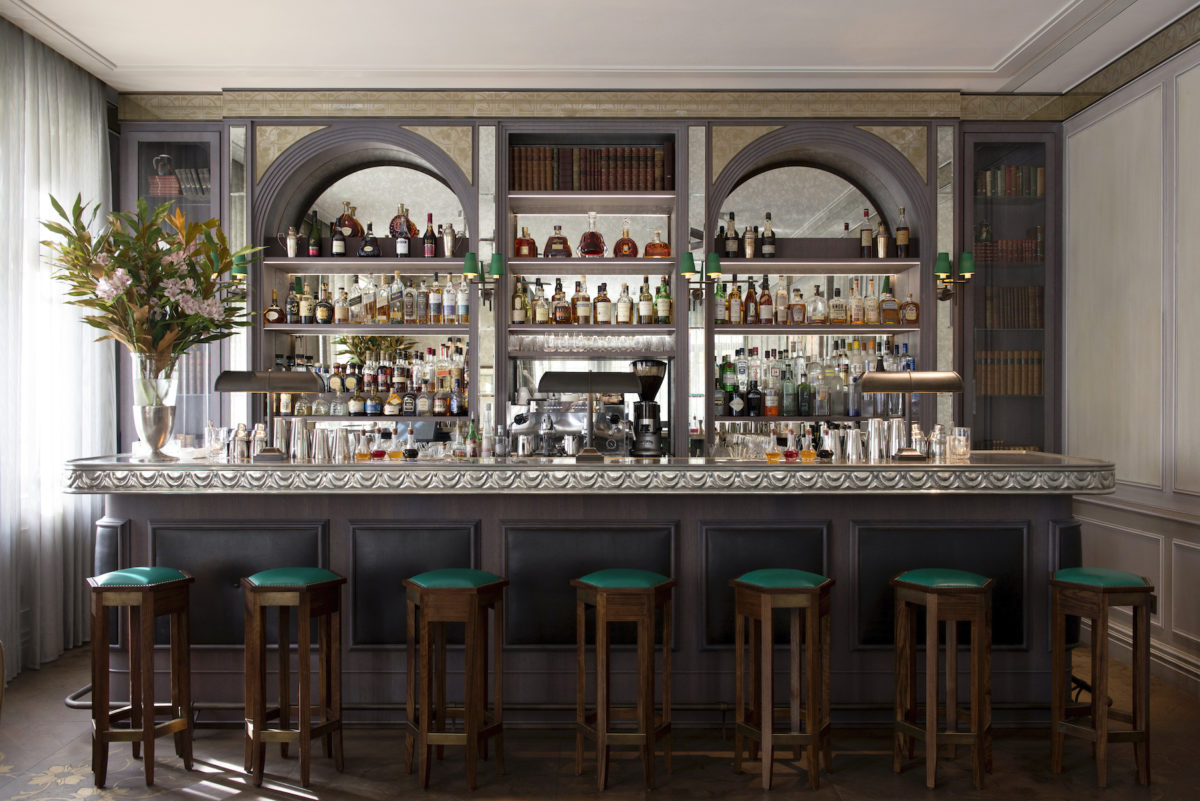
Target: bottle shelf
column 579, row 265
column 633, row 330
column 580, row 203
column 346, row 418
column 808, row 330
column 350, row 265
column 394, row 330
column 591, row 354
column 752, row 267
column 808, row 418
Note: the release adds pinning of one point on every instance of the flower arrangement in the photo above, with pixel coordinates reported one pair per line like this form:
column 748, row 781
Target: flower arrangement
column 360, row 348
column 154, row 282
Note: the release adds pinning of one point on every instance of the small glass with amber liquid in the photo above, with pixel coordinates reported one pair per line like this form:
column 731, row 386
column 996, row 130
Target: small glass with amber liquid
column 557, row 246
column 625, row 248
column 591, row 243
column 349, row 225
column 525, row 247
column 656, row 248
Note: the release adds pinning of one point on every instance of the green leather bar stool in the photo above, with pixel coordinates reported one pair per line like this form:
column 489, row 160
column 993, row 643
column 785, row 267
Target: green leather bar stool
column 757, row 595
column 1090, row 592
column 948, row 596
column 623, row 595
column 315, row 593
column 435, row 598
column 147, row 593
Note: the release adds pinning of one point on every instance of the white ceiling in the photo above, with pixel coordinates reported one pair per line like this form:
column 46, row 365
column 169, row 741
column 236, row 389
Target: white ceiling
column 970, row 45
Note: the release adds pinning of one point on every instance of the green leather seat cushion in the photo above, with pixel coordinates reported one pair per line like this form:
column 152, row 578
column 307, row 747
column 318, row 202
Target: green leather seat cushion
column 454, row 578
column 778, row 578
column 1099, row 577
column 624, row 579
column 942, row 578
column 292, row 577
column 139, row 577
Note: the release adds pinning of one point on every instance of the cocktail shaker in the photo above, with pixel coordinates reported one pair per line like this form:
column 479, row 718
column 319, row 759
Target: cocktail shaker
column 877, row 440
column 320, row 446
column 300, row 450
column 279, row 437
column 342, row 451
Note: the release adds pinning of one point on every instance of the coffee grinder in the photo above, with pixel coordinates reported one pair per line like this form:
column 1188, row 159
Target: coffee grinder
column 647, row 440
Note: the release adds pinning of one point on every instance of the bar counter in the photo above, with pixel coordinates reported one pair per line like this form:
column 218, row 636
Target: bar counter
column 541, row 522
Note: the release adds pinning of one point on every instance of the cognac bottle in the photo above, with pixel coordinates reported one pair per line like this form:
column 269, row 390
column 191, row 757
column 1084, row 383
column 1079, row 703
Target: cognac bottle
column 347, row 222
column 591, row 243
column 557, row 246
column 273, row 314
column 370, row 245
column 625, row 248
column 525, row 247
column 656, row 248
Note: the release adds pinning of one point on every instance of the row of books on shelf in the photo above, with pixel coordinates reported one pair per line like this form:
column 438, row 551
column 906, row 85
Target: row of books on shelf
column 1029, row 251
column 1008, row 372
column 186, row 181
column 1014, row 307
column 1011, row 180
column 648, row 168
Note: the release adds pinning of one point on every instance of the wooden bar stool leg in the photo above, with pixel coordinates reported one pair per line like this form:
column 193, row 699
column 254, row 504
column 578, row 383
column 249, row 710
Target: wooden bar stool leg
column 1058, row 679
column 471, row 666
column 285, row 680
column 979, row 681
column 931, row 689
column 668, row 617
column 426, row 682
column 441, row 718
column 826, row 688
column 498, row 682
column 100, row 694
column 766, row 704
column 812, row 702
column 335, row 680
column 795, row 701
column 903, row 645
column 481, row 677
column 1100, row 691
column 249, row 671
column 754, row 714
column 147, row 689
column 410, row 682
column 645, row 693
column 260, row 699
column 304, row 673
column 1141, row 689
column 952, row 681
column 580, row 681
column 181, row 683
column 323, row 676
column 739, row 690
column 602, row 687
column 134, row 619
column 985, row 689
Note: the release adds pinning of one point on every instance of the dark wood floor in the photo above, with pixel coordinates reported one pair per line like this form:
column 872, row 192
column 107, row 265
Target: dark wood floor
column 45, row 753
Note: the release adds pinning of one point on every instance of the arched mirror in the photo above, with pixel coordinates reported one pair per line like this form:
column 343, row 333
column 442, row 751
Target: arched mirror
column 803, row 201
column 375, row 193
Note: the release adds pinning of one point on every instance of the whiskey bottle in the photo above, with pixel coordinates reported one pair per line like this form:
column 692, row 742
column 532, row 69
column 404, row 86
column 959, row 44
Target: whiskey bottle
column 557, row 246
column 866, row 237
column 430, row 237
column 624, row 306
column 645, row 308
column 766, row 307
column 370, row 245
column 337, row 241
column 422, row 304
column 720, row 305
column 871, row 304
column 625, row 248
column 435, row 301
column 797, row 309
column 525, row 247
column 591, row 242
column 856, row 310
column 818, row 309
column 357, row 405
column 559, row 305
column 731, row 239
column 663, row 304
column 735, row 304
column 910, row 311
column 463, row 302
column 347, row 223
column 425, row 400
column 541, row 309
column 314, row 237
column 308, row 308
column 782, row 312
column 768, row 239
column 373, row 406
column 383, row 300
column 273, row 314
column 838, row 311
column 603, row 307
column 719, row 241
column 324, row 309
column 902, row 233
column 582, row 303
column 410, row 304
column 519, row 314
column 341, row 308
column 656, row 248
column 408, row 401
column 750, row 305
column 889, row 308
column 370, row 299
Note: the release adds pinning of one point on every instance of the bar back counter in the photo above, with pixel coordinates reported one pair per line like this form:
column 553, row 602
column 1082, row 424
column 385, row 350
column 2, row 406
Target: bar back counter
column 540, row 523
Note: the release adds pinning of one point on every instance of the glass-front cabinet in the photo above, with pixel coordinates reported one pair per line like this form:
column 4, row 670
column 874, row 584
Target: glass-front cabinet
column 1010, row 346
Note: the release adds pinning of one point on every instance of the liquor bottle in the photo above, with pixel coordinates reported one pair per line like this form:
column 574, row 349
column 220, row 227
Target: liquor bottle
column 787, row 394
column 866, row 237
column 798, row 309
column 749, row 243
column 591, row 242
column 754, row 400
column 357, row 405
column 370, row 298
column 731, row 239
column 727, row 374
column 383, row 300
column 782, row 312
column 352, row 380
column 441, row 402
column 370, row 245
column 889, row 308
column 324, row 309
column 902, row 234
column 341, row 308
column 425, row 400
column 624, row 306
column 656, row 248
column 430, row 237
column 408, row 400
column 882, row 239
column 436, row 301
column 374, row 403
column 557, row 246
column 766, row 307
column 308, row 308
column 856, row 311
column 520, row 304
column 808, row 452
column 719, row 241
column 581, row 303
column 790, row 453
column 337, row 241
column 541, row 309
column 818, row 308
column 625, row 248
column 838, row 311
column 462, row 302
column 525, row 247
column 720, row 305
column 422, row 304
column 773, row 453
column 602, row 308
column 399, row 228
column 663, row 304
column 395, row 299
column 410, row 304
column 770, row 400
column 735, row 304
column 910, row 311
column 750, row 305
column 347, row 223
column 741, row 365
column 645, row 306
column 314, row 237
column 804, row 397
column 560, row 306
column 273, row 314
column 768, row 239
column 871, row 304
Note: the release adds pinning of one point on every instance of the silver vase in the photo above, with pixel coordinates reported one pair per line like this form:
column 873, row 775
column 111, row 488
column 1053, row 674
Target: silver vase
column 154, row 425
column 154, row 388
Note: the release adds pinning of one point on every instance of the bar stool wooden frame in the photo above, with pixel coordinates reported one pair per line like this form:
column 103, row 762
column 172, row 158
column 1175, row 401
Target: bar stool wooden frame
column 429, row 610
column 1094, row 602
column 614, row 605
column 144, row 603
column 948, row 605
column 321, row 600
column 756, row 605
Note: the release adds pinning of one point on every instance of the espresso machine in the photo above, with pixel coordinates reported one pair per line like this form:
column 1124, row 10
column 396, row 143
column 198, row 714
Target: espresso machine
column 647, row 436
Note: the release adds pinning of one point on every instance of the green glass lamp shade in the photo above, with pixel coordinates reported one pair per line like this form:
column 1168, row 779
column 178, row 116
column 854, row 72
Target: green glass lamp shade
column 712, row 266
column 687, row 265
column 941, row 268
column 470, row 266
column 497, row 268
column 966, row 265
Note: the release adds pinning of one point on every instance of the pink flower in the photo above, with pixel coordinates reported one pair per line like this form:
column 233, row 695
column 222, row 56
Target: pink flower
column 103, row 259
column 110, row 286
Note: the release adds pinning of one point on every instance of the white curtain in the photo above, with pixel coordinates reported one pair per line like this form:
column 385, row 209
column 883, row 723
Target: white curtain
column 58, row 397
